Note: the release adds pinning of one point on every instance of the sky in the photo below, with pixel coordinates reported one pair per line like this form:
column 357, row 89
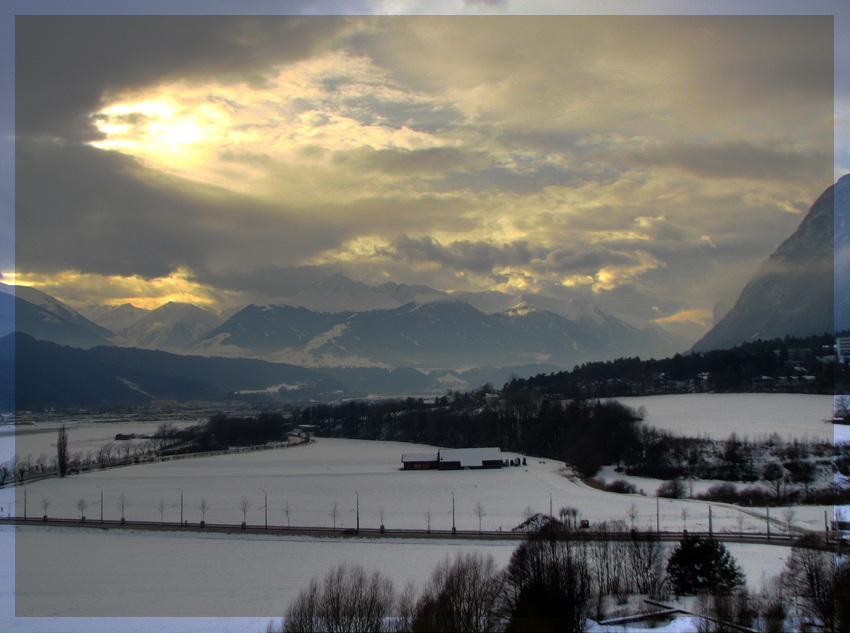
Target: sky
column 647, row 163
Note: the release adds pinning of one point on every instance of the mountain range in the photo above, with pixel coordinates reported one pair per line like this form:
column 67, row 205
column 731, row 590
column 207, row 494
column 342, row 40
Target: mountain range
column 358, row 339
column 339, row 322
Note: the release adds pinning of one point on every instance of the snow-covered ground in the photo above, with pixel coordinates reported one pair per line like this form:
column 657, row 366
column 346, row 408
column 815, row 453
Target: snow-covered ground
column 752, row 415
column 312, row 478
column 60, row 573
column 104, row 581
column 83, row 436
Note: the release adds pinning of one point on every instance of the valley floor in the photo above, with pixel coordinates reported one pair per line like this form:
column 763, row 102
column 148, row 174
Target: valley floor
column 74, row 580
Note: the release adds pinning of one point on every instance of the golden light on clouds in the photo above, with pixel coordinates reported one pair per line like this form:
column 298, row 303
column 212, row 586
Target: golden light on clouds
column 80, row 289
column 241, row 137
column 702, row 317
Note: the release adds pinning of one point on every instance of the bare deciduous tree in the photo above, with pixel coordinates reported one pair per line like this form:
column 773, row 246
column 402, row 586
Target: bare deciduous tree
column 348, row 599
column 480, row 513
column 82, row 504
column 788, row 515
column 334, row 513
column 632, row 513
column 203, row 507
column 244, row 505
column 569, row 517
column 45, row 503
column 161, row 507
column 286, row 511
column 810, row 574
column 465, row 595
column 549, row 584
column 122, row 504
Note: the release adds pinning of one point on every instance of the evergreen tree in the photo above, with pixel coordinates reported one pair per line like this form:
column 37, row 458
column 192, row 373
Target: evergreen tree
column 703, row 565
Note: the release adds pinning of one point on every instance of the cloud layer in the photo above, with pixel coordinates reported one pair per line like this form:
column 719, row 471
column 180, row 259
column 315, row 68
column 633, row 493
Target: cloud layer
column 650, row 163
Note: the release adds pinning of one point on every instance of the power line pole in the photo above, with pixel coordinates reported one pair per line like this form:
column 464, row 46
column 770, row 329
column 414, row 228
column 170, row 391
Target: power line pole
column 266, row 507
column 657, row 516
column 454, row 529
column 768, row 520
column 358, row 510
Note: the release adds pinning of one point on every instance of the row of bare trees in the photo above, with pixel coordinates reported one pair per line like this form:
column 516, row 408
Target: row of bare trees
column 551, row 583
column 555, row 583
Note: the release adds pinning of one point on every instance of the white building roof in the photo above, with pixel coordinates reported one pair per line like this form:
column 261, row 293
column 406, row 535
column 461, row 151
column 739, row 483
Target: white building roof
column 419, row 457
column 470, row 457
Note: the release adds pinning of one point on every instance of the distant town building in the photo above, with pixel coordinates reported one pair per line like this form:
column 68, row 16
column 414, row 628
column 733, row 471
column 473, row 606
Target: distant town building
column 454, row 459
column 842, row 345
column 305, row 431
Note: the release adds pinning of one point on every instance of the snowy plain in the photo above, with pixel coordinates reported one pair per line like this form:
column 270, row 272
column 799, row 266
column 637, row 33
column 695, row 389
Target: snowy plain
column 750, row 415
column 73, row 580
column 83, row 436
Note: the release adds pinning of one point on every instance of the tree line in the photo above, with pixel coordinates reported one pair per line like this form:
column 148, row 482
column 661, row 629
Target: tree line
column 789, row 365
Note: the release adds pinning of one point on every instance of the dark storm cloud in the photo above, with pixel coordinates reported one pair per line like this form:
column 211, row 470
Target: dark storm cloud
column 478, row 257
column 735, row 159
column 486, row 258
column 64, row 64
column 104, row 213
column 268, row 282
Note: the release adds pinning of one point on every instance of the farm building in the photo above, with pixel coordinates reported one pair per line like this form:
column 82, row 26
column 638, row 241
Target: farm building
column 454, row 459
column 420, row 461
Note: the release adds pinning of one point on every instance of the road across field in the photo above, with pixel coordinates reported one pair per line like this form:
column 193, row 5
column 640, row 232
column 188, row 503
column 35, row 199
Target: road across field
column 278, row 530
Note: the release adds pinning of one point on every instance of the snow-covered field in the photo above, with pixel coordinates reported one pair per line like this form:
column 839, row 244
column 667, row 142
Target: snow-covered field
column 312, row 478
column 752, row 415
column 82, row 436
column 105, row 581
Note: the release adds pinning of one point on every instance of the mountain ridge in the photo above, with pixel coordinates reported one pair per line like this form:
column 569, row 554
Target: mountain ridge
column 794, row 291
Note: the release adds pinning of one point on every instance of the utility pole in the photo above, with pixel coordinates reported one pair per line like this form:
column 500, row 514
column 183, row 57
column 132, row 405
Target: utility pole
column 454, row 529
column 550, row 504
column 25, row 504
column 768, row 520
column 358, row 510
column 101, row 504
column 181, row 505
column 657, row 516
column 266, row 507
column 825, row 525
column 710, row 526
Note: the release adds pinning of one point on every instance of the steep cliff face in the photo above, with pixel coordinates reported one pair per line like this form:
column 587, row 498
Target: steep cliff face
column 801, row 289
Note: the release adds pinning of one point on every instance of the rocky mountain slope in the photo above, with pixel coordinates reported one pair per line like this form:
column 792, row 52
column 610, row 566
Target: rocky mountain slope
column 794, row 291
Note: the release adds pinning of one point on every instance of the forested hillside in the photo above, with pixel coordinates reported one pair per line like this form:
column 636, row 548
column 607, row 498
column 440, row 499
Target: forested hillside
column 789, row 365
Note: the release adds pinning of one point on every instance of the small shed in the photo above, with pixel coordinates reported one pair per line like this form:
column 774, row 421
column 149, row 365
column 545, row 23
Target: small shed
column 420, row 461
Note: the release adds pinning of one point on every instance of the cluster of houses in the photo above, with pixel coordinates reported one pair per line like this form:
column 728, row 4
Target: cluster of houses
column 459, row 459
